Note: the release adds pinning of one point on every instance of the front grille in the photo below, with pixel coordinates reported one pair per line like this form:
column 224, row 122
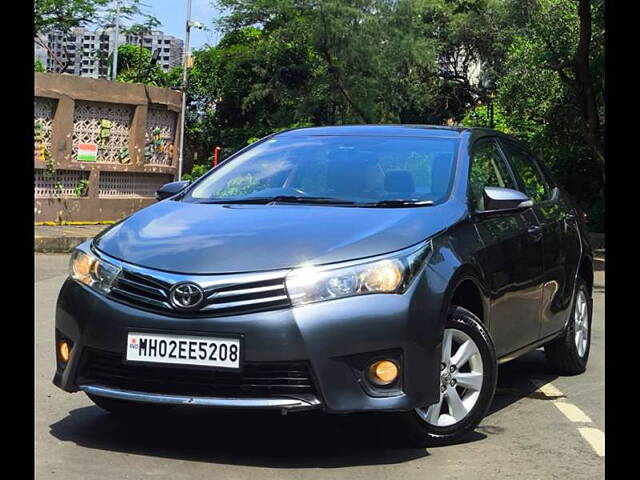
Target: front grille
column 256, row 380
column 231, row 297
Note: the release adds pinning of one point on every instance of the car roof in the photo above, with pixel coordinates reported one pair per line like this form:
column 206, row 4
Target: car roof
column 377, row 130
column 390, row 130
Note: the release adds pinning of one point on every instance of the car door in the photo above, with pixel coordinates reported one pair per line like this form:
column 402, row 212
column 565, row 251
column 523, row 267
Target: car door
column 561, row 243
column 511, row 257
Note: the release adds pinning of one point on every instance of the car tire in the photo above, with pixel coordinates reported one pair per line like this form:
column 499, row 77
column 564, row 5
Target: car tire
column 429, row 427
column 569, row 353
column 126, row 408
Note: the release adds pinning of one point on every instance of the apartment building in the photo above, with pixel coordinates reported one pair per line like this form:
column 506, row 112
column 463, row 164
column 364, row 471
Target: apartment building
column 88, row 51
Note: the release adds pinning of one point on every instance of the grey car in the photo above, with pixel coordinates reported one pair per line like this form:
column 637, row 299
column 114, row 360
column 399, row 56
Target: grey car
column 346, row 269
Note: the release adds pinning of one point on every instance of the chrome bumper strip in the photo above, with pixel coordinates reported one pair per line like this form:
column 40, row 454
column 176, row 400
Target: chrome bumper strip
column 281, row 403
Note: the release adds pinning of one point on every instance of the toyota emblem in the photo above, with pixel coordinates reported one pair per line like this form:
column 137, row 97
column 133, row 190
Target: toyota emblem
column 186, row 296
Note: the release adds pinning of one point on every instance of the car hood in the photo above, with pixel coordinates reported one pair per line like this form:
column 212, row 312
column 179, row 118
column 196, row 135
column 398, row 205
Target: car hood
column 208, row 238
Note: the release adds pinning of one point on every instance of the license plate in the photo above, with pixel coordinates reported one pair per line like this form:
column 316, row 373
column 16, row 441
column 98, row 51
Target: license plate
column 183, row 350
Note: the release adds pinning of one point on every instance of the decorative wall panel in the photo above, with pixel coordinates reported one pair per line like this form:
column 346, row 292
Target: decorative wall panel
column 104, row 124
column 160, row 136
column 130, row 184
column 63, row 183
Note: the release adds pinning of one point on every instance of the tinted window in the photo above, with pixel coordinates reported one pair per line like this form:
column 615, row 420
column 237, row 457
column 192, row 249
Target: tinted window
column 354, row 168
column 527, row 171
column 487, row 170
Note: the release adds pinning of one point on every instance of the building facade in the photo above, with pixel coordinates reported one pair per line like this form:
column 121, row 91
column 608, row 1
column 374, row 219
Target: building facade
column 88, row 51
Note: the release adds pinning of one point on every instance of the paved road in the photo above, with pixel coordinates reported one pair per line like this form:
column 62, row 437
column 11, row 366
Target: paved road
column 527, row 434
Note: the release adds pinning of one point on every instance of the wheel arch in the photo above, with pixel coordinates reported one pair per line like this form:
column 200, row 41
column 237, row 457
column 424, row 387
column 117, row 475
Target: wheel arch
column 585, row 271
column 466, row 290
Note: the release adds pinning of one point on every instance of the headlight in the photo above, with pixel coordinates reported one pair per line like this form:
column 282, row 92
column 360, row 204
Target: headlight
column 388, row 274
column 96, row 273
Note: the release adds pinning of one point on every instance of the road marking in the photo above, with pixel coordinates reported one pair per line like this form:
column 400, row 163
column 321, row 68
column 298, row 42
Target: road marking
column 550, row 390
column 595, row 438
column 572, row 412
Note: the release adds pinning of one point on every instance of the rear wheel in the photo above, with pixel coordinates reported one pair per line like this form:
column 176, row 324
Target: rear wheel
column 125, row 408
column 468, row 374
column 569, row 353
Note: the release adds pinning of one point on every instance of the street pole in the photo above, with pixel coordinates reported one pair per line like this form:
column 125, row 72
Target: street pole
column 491, row 113
column 184, row 88
column 114, row 71
column 491, row 110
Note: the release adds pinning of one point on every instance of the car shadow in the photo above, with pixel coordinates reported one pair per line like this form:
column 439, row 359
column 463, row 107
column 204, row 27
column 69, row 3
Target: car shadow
column 521, row 378
column 265, row 439
column 268, row 439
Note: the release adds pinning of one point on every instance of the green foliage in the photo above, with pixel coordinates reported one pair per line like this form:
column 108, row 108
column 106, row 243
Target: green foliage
column 541, row 108
column 240, row 185
column 80, row 190
column 173, row 78
column 196, row 172
column 134, row 66
column 38, row 67
column 480, row 116
column 65, row 14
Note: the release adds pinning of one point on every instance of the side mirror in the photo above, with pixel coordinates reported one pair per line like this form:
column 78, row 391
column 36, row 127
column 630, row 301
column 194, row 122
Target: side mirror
column 170, row 189
column 499, row 198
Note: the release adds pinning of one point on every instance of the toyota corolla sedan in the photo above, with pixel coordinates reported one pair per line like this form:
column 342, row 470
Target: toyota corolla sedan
column 345, row 269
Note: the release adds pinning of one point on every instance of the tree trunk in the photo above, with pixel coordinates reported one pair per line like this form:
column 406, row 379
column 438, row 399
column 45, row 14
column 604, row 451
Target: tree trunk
column 584, row 86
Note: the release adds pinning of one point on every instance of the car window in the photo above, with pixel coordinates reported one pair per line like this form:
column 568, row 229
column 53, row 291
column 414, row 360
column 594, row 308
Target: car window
column 488, row 169
column 354, row 168
column 527, row 171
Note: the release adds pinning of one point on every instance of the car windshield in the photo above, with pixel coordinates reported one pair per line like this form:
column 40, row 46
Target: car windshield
column 348, row 170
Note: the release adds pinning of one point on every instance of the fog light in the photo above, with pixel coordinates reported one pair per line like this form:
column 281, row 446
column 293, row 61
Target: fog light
column 383, row 372
column 63, row 351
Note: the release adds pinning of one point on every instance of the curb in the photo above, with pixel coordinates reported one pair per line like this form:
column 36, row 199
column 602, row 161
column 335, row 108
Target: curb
column 57, row 244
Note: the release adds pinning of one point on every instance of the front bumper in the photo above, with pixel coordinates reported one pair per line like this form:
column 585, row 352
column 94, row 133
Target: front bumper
column 337, row 339
column 218, row 402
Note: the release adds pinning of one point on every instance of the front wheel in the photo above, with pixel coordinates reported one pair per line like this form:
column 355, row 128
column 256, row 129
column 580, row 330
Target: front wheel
column 468, row 374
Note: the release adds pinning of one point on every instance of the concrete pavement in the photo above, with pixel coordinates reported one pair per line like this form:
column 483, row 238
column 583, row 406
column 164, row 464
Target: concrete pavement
column 525, row 435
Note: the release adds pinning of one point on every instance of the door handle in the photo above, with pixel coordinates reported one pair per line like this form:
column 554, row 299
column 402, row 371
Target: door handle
column 535, row 232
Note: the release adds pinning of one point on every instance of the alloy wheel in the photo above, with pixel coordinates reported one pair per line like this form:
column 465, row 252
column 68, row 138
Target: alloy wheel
column 581, row 323
column 461, row 378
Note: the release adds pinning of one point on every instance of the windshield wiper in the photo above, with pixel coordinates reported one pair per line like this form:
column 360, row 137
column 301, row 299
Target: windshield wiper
column 400, row 203
column 283, row 199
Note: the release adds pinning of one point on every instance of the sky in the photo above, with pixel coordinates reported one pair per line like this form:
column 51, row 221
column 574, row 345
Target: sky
column 173, row 16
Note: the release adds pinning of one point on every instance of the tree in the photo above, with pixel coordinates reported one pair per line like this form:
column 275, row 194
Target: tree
column 38, row 67
column 283, row 63
column 559, row 38
column 540, row 96
column 140, row 30
column 63, row 15
column 134, row 66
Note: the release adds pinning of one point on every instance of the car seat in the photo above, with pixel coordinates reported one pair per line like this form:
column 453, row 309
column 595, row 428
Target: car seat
column 399, row 181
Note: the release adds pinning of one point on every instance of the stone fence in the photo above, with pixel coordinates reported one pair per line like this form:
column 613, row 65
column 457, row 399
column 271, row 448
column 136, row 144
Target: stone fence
column 101, row 148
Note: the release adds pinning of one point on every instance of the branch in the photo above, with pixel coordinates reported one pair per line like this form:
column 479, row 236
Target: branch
column 46, row 45
column 561, row 68
column 335, row 73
